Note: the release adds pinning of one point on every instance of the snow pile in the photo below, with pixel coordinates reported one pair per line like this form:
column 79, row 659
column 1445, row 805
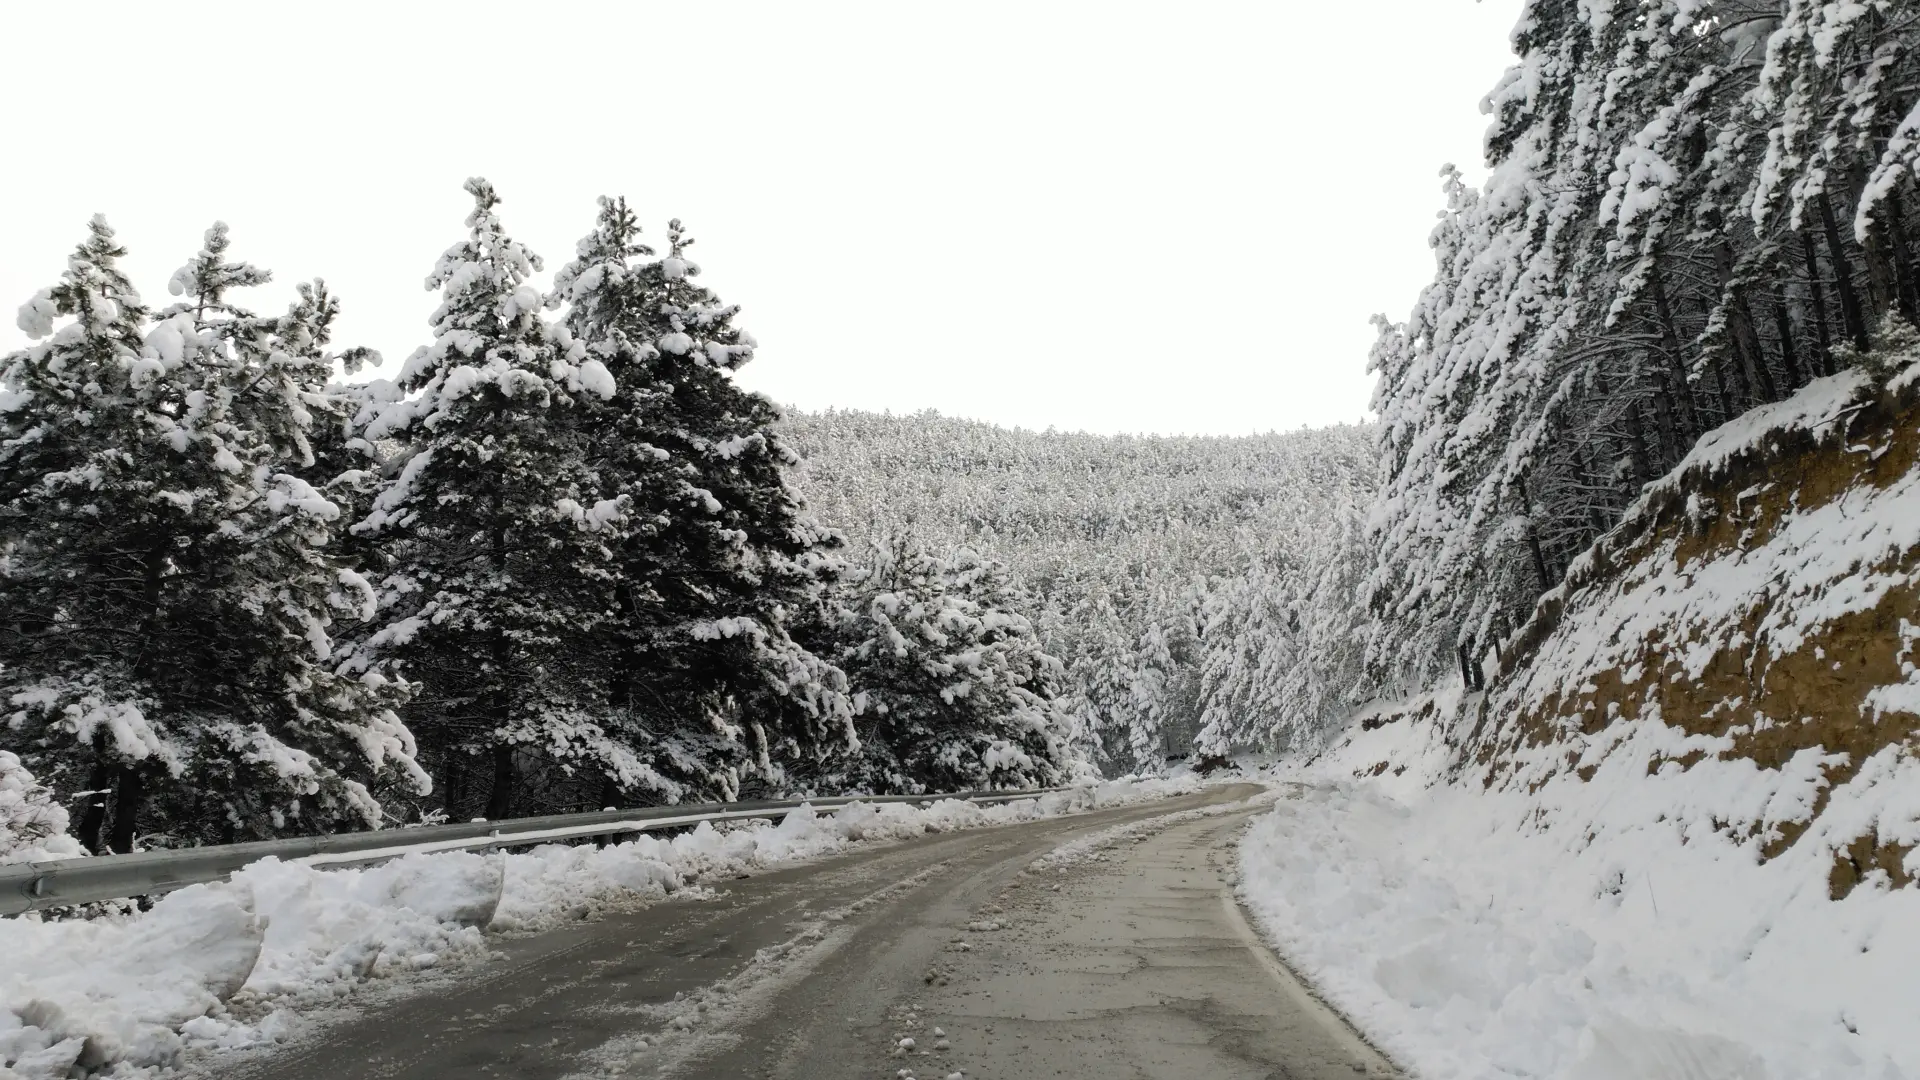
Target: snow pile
column 1399, row 746
column 33, row 827
column 104, row 992
column 1601, row 930
column 1134, row 789
column 234, row 964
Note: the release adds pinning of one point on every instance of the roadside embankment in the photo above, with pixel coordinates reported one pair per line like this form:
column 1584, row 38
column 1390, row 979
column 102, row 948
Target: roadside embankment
column 1677, row 837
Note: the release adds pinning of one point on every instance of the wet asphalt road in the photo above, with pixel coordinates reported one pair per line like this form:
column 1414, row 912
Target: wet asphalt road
column 1137, row 964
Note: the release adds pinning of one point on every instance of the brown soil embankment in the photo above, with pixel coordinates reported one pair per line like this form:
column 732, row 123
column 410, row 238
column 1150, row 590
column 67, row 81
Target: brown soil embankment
column 1766, row 595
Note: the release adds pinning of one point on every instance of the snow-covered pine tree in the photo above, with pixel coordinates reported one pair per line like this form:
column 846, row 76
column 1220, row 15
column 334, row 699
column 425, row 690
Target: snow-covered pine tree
column 264, row 388
column 1173, row 651
column 168, row 595
column 69, row 406
column 1285, row 643
column 494, row 590
column 1253, row 622
column 1139, row 670
column 1114, row 695
column 716, row 565
column 952, row 688
column 1474, row 371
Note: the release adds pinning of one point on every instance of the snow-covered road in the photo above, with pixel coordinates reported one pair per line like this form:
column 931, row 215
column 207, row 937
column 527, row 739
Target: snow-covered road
column 1100, row 944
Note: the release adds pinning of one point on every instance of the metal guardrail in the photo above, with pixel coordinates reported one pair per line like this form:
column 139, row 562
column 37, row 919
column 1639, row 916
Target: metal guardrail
column 33, row 886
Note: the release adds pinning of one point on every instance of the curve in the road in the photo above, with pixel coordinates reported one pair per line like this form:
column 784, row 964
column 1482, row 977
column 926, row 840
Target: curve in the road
column 1125, row 956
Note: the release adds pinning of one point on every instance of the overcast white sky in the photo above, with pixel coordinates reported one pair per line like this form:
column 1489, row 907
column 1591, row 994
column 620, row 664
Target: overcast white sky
column 1169, row 217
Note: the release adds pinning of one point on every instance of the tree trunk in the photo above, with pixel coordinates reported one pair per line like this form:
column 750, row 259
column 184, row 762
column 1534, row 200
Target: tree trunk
column 1721, row 389
column 1539, row 556
column 500, row 799
column 1783, row 327
column 1749, row 340
column 1596, row 514
column 1670, row 344
column 456, row 788
column 1823, row 360
column 1750, row 361
column 500, row 711
column 93, row 822
column 129, row 783
column 1664, row 422
column 1850, row 313
column 128, row 800
column 1533, row 540
column 620, row 692
column 1637, row 444
column 153, row 571
column 1902, row 261
column 500, row 700
column 1471, row 673
column 1740, row 399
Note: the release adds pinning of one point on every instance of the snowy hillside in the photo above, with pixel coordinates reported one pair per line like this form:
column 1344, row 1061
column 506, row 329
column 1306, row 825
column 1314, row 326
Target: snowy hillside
column 1677, row 837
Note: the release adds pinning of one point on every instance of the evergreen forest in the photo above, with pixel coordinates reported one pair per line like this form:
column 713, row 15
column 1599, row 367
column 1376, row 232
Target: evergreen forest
column 561, row 560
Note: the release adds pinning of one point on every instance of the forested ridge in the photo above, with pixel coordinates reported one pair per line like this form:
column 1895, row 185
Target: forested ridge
column 1196, row 589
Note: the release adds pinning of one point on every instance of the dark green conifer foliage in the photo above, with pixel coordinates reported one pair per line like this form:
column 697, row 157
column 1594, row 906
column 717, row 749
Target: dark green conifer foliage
column 953, row 690
column 494, row 595
column 164, row 625
column 716, row 561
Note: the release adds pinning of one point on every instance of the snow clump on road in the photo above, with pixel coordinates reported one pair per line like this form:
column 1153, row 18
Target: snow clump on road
column 1094, row 847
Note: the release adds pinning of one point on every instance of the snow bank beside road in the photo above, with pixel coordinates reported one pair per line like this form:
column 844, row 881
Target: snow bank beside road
column 1594, row 931
column 235, row 964
column 33, row 826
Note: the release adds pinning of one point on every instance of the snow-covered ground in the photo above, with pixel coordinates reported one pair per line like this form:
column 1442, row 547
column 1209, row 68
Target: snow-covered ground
column 1602, row 930
column 236, row 964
